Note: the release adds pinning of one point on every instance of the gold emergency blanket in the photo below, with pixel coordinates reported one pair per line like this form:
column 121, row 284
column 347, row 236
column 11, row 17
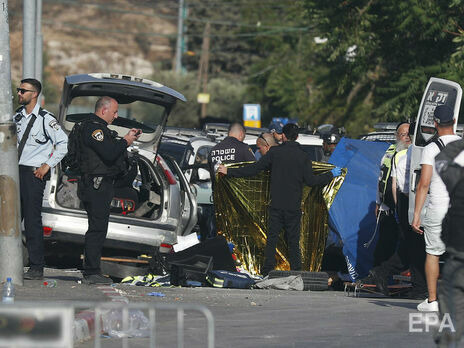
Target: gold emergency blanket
column 241, row 206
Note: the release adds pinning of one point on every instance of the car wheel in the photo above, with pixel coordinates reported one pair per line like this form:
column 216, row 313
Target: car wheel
column 314, row 281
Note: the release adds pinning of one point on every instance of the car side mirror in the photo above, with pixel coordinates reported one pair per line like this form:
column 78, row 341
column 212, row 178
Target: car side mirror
column 203, row 174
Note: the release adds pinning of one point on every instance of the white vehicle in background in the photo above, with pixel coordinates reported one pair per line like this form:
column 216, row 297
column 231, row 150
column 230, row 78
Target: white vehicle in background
column 437, row 92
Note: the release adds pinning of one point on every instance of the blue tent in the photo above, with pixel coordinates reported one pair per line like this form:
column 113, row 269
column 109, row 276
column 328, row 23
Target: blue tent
column 351, row 215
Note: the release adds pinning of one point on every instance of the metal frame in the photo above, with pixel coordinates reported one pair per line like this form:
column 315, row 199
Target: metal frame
column 100, row 307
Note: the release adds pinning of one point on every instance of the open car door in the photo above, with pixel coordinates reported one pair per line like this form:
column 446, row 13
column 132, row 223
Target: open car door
column 437, row 92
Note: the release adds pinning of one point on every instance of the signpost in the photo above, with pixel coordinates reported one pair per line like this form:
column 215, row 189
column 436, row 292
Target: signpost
column 252, row 115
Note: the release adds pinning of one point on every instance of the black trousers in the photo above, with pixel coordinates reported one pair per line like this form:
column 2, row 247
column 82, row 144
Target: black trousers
column 31, row 192
column 410, row 252
column 451, row 297
column 290, row 221
column 388, row 238
column 97, row 205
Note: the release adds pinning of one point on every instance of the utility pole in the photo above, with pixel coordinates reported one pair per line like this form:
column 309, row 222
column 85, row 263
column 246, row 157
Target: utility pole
column 39, row 47
column 180, row 37
column 29, row 27
column 11, row 260
column 204, row 65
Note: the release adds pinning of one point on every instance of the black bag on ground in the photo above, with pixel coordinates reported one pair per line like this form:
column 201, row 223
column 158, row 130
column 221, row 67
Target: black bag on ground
column 226, row 279
column 216, row 247
column 194, row 268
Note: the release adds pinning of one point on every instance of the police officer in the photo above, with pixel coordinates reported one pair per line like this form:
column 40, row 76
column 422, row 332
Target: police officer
column 41, row 146
column 290, row 169
column 232, row 149
column 102, row 159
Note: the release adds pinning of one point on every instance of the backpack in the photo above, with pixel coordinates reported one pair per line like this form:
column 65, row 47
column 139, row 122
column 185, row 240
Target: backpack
column 71, row 162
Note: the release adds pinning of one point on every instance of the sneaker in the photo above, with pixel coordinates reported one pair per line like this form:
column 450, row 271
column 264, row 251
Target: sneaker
column 33, row 274
column 96, row 279
column 426, row 306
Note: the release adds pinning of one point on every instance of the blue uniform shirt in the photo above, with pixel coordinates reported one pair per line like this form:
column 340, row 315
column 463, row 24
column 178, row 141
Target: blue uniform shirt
column 38, row 150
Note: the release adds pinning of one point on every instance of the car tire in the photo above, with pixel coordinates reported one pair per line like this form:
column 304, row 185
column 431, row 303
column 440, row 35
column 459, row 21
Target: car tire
column 123, row 269
column 314, row 281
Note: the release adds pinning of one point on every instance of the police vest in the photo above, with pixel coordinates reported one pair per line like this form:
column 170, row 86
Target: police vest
column 384, row 187
column 91, row 163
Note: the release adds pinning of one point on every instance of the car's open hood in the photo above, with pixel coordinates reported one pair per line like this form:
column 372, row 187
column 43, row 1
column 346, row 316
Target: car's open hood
column 127, row 90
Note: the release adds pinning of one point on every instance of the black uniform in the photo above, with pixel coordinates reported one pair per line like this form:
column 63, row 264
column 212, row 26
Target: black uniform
column 290, row 168
column 230, row 150
column 102, row 159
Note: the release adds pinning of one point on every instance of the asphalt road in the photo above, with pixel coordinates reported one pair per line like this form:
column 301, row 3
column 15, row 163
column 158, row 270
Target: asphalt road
column 252, row 318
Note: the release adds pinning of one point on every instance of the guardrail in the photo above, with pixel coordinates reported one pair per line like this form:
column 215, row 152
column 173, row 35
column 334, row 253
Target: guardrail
column 43, row 324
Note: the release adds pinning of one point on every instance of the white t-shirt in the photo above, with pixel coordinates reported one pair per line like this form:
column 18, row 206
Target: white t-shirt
column 438, row 196
column 400, row 171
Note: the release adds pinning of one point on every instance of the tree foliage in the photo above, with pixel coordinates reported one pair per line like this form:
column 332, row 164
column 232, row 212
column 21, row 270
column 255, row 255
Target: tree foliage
column 373, row 67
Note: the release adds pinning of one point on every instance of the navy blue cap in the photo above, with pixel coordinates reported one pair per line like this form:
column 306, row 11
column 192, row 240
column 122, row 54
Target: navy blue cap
column 443, row 115
column 276, row 127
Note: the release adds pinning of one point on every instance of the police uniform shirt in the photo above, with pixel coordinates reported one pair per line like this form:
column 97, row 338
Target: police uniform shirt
column 46, row 143
column 97, row 137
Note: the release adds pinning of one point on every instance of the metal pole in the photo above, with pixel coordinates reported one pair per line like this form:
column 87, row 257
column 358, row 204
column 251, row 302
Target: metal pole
column 11, row 261
column 39, row 47
column 180, row 32
column 29, row 38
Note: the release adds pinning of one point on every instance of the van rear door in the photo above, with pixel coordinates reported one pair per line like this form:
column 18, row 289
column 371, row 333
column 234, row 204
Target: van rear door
column 437, row 92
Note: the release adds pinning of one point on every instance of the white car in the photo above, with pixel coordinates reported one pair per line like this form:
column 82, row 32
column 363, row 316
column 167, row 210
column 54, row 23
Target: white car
column 153, row 203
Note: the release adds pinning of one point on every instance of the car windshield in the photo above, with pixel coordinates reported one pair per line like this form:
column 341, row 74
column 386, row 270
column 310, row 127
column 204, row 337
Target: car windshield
column 145, row 113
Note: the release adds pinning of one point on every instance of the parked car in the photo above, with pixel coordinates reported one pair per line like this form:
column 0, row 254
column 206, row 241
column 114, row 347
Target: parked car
column 191, row 149
column 154, row 202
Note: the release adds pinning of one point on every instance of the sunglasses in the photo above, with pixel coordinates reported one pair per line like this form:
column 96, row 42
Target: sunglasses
column 22, row 90
column 262, row 137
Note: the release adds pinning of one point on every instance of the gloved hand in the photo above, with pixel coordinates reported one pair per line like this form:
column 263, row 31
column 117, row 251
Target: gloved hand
column 337, row 171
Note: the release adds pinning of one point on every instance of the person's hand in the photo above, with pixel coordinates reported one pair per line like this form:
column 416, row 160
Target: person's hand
column 222, row 169
column 415, row 225
column 337, row 171
column 132, row 135
column 41, row 171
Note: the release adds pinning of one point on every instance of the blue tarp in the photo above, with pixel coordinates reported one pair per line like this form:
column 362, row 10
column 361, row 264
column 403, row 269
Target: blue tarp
column 351, row 215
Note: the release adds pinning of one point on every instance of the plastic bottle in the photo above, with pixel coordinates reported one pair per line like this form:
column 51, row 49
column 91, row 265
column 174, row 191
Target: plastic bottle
column 8, row 291
column 49, row 283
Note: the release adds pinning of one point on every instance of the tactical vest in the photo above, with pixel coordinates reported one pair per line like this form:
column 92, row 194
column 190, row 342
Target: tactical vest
column 384, row 187
column 91, row 163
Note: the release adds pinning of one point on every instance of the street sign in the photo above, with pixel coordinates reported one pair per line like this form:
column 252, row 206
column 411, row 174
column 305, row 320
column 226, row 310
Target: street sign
column 252, row 115
column 203, row 98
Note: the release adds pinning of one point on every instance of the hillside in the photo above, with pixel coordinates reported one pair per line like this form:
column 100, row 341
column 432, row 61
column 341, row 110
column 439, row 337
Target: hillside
column 122, row 36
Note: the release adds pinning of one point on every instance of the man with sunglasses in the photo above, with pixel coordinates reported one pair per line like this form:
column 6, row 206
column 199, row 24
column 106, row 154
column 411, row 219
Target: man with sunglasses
column 290, row 169
column 41, row 146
